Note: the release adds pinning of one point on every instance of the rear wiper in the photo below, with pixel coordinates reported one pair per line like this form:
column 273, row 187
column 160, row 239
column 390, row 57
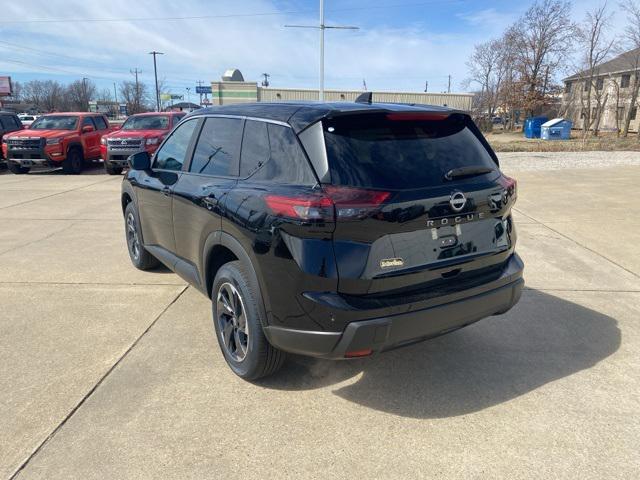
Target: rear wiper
column 467, row 171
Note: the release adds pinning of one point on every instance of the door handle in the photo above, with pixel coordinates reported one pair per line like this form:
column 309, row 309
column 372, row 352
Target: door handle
column 166, row 191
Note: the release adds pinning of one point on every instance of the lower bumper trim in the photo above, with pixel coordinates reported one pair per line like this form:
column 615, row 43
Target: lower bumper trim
column 387, row 333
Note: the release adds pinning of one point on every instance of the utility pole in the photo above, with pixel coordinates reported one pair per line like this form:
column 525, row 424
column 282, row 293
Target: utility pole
column 199, row 82
column 115, row 93
column 426, row 86
column 155, row 73
column 322, row 27
column 85, row 100
column 136, row 104
column 188, row 94
column 265, row 82
column 449, row 85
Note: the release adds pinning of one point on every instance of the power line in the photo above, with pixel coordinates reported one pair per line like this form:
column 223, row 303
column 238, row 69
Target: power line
column 232, row 15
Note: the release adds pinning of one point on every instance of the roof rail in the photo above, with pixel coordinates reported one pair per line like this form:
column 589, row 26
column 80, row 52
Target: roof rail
column 364, row 97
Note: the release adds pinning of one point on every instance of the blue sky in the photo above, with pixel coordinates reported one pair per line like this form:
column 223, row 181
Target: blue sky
column 400, row 44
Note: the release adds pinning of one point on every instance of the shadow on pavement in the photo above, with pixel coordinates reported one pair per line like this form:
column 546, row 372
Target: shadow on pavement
column 544, row 338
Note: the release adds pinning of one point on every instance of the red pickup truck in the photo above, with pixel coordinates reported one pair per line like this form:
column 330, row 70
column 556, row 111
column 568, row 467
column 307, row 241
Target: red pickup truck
column 144, row 131
column 64, row 140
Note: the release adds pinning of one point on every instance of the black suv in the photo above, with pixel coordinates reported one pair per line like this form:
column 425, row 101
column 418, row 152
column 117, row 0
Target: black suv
column 9, row 122
column 336, row 230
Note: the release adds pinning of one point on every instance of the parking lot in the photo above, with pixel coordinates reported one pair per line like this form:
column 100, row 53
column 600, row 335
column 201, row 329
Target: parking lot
column 110, row 372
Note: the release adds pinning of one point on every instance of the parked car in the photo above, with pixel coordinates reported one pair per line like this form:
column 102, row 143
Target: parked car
column 64, row 140
column 143, row 131
column 9, row 122
column 27, row 119
column 330, row 230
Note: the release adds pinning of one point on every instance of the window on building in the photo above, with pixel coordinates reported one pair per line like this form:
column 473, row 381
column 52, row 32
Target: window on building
column 625, row 80
column 585, row 86
column 567, row 87
column 634, row 113
column 599, row 83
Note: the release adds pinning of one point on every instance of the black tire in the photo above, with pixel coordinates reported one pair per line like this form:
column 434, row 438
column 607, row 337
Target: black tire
column 111, row 169
column 74, row 163
column 140, row 257
column 248, row 353
column 17, row 169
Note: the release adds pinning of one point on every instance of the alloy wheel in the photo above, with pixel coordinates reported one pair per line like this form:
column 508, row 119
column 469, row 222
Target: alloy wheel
column 132, row 236
column 232, row 321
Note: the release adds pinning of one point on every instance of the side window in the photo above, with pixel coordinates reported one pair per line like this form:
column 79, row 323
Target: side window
column 176, row 119
column 3, row 122
column 255, row 147
column 88, row 122
column 218, row 148
column 172, row 154
column 100, row 123
column 287, row 163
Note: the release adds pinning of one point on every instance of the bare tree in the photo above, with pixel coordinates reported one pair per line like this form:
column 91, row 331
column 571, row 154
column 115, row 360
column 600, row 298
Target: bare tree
column 594, row 48
column 541, row 41
column 79, row 93
column 632, row 37
column 135, row 95
column 487, row 70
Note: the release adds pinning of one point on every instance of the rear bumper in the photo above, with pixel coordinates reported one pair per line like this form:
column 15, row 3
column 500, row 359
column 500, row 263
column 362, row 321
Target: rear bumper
column 386, row 333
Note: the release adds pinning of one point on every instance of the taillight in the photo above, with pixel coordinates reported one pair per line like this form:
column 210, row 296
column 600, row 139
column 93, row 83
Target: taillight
column 343, row 203
column 510, row 185
column 308, row 207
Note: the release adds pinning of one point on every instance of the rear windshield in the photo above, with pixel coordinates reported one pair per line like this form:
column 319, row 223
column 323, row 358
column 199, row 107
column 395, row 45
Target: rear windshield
column 147, row 122
column 400, row 151
column 55, row 122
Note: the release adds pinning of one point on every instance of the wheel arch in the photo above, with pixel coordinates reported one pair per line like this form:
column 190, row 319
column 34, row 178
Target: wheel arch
column 221, row 248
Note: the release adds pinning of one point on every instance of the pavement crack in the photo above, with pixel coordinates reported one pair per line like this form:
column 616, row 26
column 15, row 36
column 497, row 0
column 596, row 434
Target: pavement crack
column 95, row 387
column 46, row 237
column 54, row 194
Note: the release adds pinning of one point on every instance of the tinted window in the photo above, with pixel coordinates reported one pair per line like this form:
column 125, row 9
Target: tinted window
column 397, row 151
column 100, row 123
column 3, row 122
column 88, row 122
column 218, row 148
column 177, row 118
column 9, row 122
column 255, row 147
column 172, row 154
column 55, row 122
column 147, row 122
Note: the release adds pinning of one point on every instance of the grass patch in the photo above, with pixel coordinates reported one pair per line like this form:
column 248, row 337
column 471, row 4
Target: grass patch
column 516, row 142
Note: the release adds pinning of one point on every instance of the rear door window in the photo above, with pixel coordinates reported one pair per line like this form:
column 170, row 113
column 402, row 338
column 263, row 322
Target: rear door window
column 88, row 122
column 218, row 150
column 401, row 150
column 100, row 123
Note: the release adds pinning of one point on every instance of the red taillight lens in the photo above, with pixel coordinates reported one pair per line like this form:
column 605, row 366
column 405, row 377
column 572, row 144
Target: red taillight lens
column 311, row 207
column 510, row 185
column 342, row 202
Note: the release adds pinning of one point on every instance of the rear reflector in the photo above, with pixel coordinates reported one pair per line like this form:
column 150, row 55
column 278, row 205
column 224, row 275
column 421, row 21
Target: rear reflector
column 358, row 353
column 345, row 203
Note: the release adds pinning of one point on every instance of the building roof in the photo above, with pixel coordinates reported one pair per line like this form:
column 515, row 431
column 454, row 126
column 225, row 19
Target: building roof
column 626, row 62
column 302, row 114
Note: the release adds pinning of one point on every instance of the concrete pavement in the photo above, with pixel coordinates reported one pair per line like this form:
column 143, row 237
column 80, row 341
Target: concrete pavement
column 108, row 372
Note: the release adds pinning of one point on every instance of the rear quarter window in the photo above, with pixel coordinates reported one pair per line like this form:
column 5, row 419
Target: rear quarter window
column 274, row 154
column 396, row 151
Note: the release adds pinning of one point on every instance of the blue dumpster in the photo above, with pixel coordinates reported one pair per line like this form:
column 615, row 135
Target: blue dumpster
column 532, row 126
column 556, row 129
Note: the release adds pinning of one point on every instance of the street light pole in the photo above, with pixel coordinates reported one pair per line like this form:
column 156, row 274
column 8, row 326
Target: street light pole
column 155, row 73
column 322, row 27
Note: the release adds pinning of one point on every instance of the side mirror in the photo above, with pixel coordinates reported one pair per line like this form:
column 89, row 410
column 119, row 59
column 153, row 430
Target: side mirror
column 88, row 128
column 140, row 161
